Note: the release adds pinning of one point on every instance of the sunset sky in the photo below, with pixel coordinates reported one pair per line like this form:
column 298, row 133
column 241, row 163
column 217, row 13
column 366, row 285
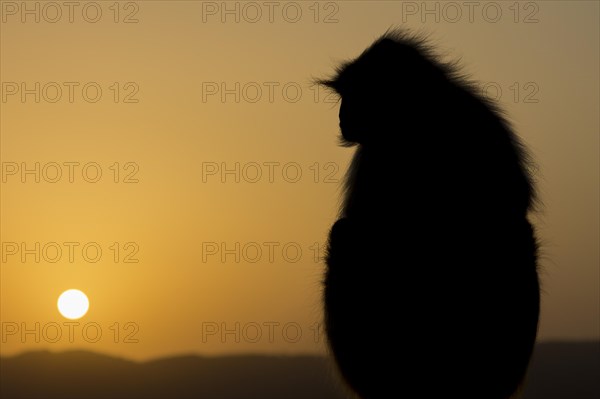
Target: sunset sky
column 189, row 171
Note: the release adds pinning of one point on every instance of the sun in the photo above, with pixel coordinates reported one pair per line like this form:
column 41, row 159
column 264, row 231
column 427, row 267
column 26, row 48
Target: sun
column 73, row 304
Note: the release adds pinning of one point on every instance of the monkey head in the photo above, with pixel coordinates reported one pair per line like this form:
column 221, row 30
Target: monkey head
column 386, row 85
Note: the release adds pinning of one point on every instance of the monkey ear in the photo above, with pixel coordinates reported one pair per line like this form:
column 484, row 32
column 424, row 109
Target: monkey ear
column 335, row 83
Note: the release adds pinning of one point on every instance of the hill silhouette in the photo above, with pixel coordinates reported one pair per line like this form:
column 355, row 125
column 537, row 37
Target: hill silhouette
column 81, row 374
column 558, row 371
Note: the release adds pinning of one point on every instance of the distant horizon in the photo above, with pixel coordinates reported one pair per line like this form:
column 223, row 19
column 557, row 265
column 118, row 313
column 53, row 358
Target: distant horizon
column 237, row 354
column 559, row 371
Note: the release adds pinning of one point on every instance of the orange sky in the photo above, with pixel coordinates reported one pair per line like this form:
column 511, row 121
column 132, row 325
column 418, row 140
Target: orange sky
column 220, row 170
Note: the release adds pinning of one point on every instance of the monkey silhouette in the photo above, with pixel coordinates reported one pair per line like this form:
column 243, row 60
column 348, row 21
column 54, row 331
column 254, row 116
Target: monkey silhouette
column 431, row 288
